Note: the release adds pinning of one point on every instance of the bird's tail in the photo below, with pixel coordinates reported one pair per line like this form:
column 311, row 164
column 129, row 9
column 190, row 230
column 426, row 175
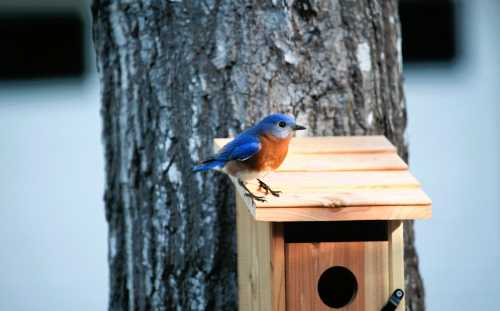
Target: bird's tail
column 208, row 165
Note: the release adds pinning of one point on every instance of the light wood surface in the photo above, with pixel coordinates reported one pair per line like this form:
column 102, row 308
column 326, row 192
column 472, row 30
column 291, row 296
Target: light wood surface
column 340, row 178
column 376, row 275
column 261, row 267
column 348, row 197
column 396, row 259
column 254, row 261
column 342, row 162
column 279, row 214
column 339, row 144
column 278, row 268
column 299, row 181
column 305, row 262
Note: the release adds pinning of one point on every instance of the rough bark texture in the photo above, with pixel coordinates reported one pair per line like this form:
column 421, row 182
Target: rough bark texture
column 175, row 74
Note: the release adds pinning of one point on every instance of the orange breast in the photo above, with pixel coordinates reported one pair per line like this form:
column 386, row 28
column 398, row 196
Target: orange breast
column 272, row 153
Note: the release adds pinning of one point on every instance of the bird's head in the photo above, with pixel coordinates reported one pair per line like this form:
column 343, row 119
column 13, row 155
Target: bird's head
column 278, row 125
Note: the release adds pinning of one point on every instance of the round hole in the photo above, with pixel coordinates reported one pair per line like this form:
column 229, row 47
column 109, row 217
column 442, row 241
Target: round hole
column 337, row 287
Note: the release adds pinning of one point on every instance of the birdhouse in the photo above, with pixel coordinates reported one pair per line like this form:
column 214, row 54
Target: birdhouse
column 333, row 239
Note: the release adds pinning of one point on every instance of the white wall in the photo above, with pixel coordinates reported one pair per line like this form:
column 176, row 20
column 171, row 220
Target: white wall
column 454, row 117
column 53, row 249
column 52, row 226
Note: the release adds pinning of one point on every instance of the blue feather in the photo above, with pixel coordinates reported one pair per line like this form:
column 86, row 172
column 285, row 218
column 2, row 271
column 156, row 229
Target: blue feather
column 208, row 166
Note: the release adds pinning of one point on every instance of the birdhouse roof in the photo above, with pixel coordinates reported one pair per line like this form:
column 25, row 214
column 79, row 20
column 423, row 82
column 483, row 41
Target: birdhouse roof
column 339, row 178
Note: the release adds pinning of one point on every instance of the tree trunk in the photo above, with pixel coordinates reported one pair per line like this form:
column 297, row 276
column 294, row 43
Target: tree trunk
column 176, row 74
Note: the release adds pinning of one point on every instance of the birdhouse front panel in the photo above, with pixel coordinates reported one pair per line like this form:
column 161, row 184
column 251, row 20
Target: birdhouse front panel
column 342, row 265
column 347, row 275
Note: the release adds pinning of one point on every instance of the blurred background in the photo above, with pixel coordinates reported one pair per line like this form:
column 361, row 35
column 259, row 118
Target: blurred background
column 53, row 253
column 53, row 247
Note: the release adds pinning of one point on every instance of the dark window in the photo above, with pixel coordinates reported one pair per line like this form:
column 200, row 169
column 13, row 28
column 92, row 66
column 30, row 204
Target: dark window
column 41, row 46
column 428, row 30
column 335, row 231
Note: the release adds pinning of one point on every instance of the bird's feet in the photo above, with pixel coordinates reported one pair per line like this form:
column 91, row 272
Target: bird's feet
column 267, row 189
column 250, row 194
column 255, row 197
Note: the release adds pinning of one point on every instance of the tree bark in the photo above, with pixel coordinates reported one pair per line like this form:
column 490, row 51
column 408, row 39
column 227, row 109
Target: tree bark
column 176, row 74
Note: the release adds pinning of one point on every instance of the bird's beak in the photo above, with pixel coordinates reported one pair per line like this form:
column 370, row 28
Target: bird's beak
column 297, row 127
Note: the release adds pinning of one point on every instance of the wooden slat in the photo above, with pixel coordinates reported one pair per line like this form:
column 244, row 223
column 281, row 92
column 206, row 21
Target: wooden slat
column 261, row 262
column 376, row 275
column 254, row 261
column 292, row 182
column 348, row 197
column 278, row 268
column 342, row 162
column 356, row 161
column 279, row 214
column 339, row 144
column 354, row 204
column 396, row 258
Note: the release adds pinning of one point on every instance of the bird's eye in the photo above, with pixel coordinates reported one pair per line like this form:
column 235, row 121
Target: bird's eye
column 282, row 124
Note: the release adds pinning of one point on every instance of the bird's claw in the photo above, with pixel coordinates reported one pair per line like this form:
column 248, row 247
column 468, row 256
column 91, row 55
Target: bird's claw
column 267, row 189
column 256, row 197
column 276, row 193
column 250, row 194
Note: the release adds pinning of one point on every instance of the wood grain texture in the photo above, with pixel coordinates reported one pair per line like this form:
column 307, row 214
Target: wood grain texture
column 305, row 262
column 332, row 144
column 353, row 191
column 312, row 181
column 254, row 244
column 376, row 274
column 261, row 263
column 339, row 154
column 348, row 197
column 342, row 213
column 396, row 258
column 342, row 162
column 278, row 268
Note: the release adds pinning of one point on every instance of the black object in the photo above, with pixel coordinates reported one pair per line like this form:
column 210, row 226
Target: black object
column 394, row 300
column 335, row 231
column 428, row 30
column 41, row 45
column 337, row 286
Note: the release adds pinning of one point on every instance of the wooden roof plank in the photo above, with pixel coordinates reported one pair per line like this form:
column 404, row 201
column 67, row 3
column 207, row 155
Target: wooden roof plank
column 322, row 181
column 336, row 155
column 348, row 197
column 344, row 213
column 333, row 144
column 341, row 144
column 342, row 162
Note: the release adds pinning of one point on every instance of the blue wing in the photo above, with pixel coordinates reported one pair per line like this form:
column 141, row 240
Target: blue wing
column 241, row 148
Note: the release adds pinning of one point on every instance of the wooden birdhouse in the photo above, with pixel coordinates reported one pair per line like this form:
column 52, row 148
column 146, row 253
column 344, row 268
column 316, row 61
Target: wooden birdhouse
column 334, row 238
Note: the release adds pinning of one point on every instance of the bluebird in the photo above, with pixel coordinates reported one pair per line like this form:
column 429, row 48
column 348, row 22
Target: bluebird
column 255, row 152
